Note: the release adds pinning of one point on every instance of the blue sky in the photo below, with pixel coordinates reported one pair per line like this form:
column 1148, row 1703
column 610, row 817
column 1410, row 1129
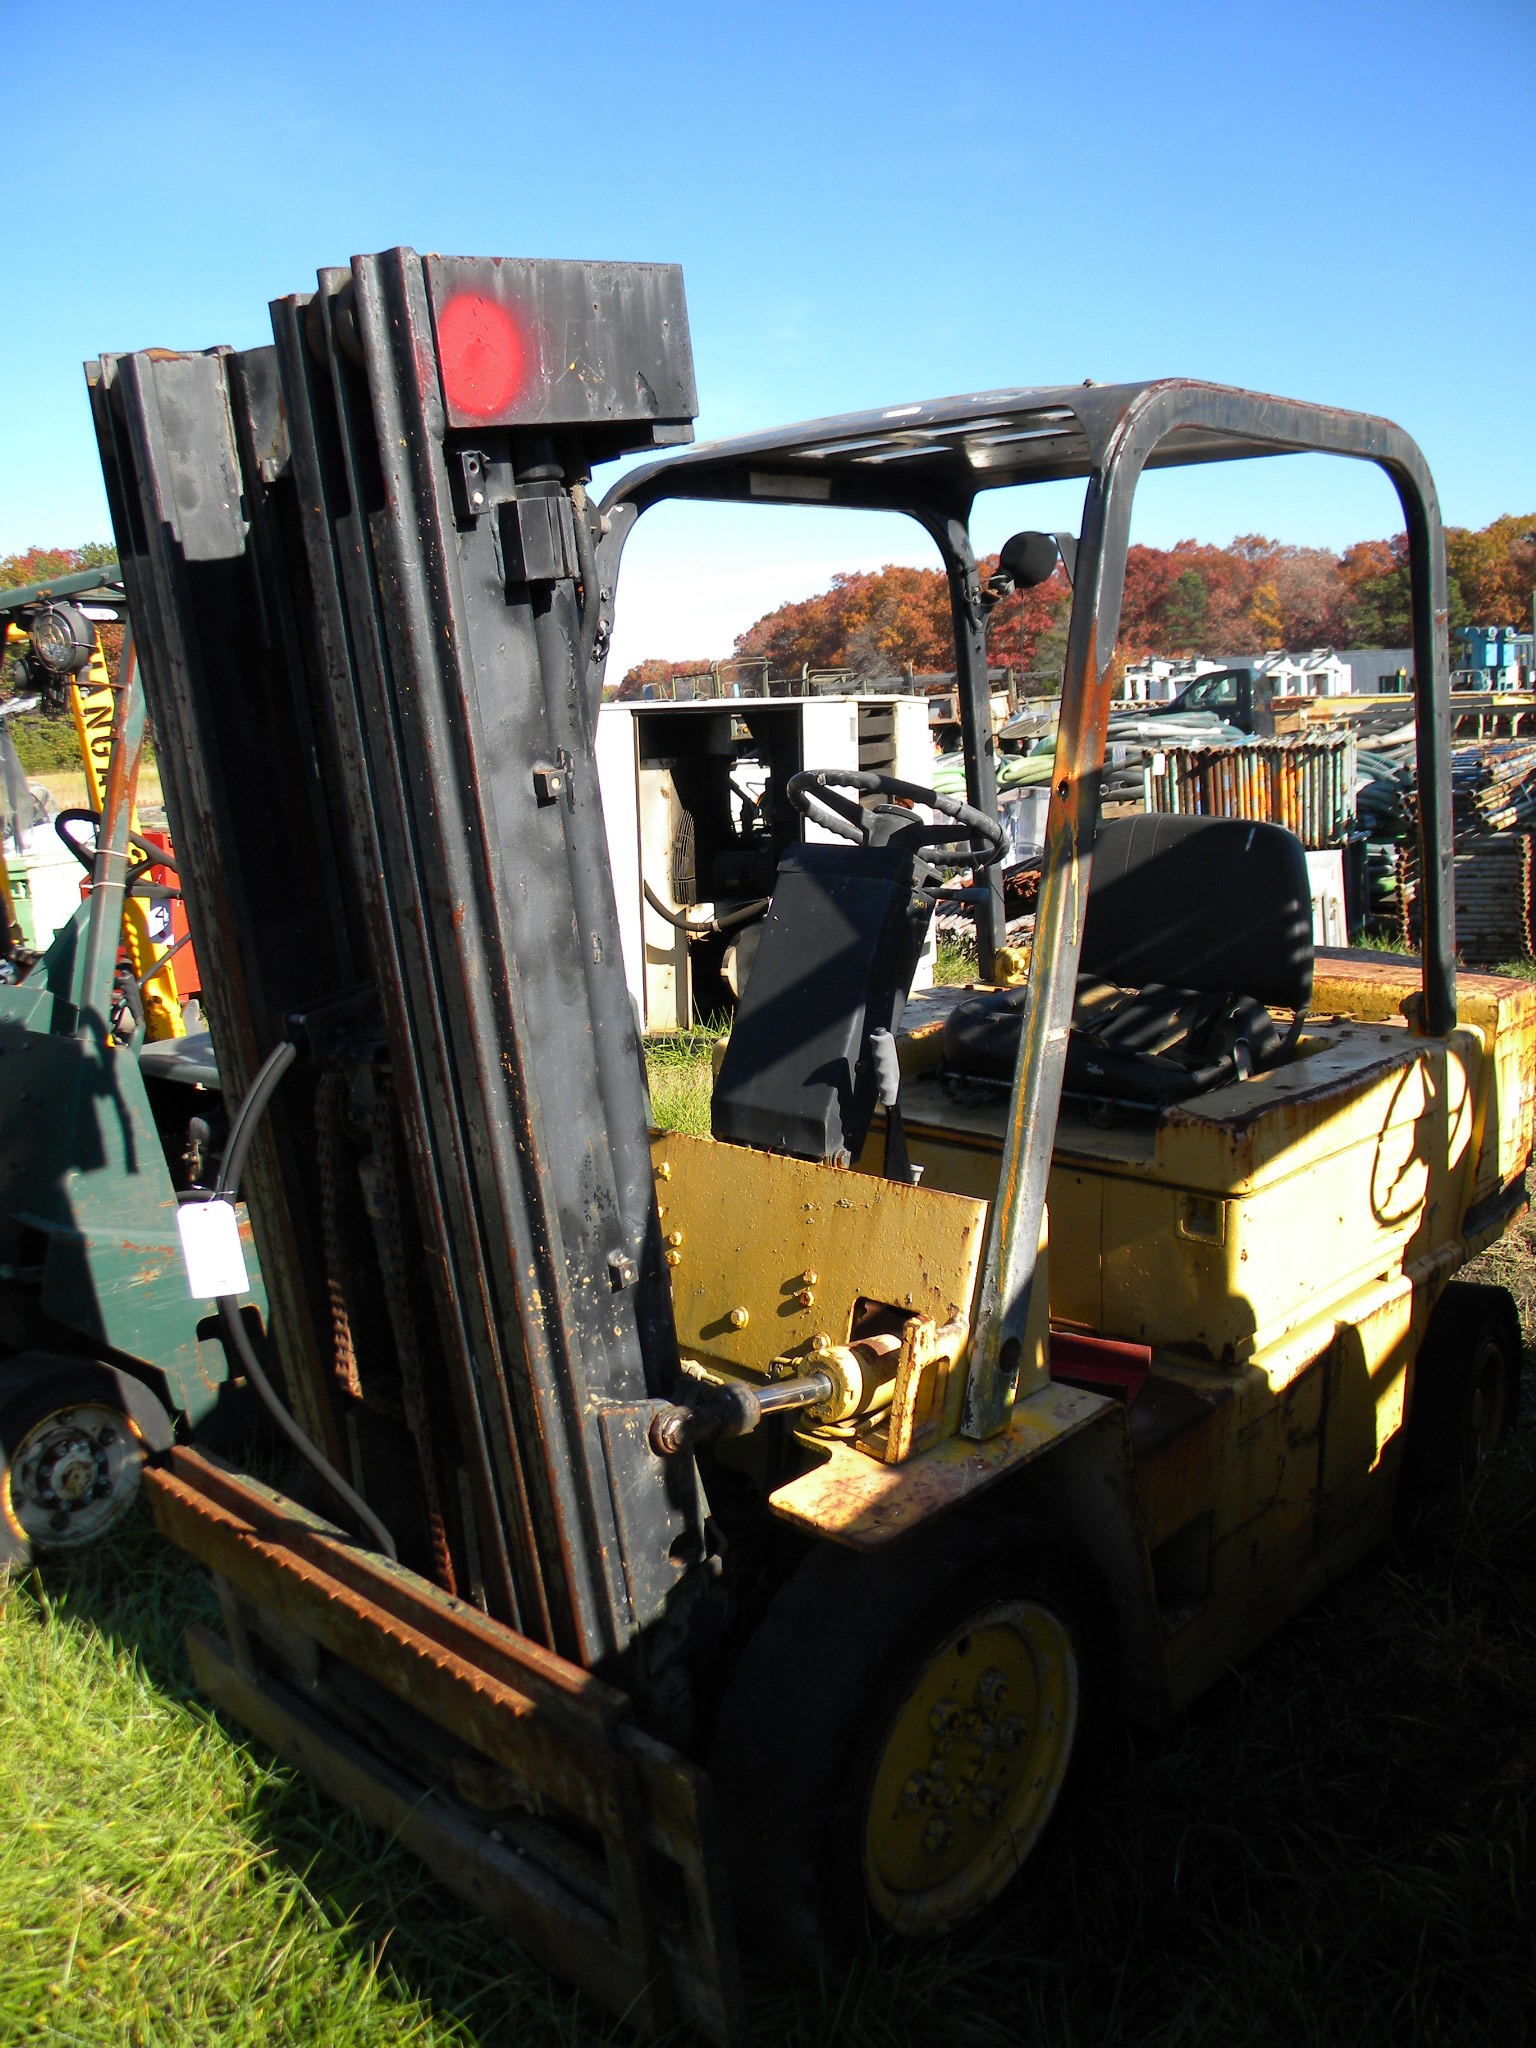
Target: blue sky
column 871, row 204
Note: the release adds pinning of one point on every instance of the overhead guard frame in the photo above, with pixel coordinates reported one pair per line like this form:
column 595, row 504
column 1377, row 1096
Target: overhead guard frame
column 931, row 461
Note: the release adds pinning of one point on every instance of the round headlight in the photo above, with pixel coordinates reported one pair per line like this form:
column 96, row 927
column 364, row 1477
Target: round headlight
column 62, row 639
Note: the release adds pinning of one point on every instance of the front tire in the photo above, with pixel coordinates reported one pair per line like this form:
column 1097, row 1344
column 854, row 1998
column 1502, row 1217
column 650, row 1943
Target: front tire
column 901, row 1730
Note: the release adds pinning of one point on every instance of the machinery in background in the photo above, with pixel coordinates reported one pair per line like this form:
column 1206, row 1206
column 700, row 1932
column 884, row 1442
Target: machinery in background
column 764, row 1523
column 110, row 1114
column 53, row 630
column 695, row 796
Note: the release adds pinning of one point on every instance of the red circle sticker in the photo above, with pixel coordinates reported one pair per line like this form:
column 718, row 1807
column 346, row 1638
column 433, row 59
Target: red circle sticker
column 481, row 353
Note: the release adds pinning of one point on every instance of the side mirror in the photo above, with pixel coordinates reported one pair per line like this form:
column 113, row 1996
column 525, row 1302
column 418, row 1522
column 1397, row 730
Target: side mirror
column 1028, row 558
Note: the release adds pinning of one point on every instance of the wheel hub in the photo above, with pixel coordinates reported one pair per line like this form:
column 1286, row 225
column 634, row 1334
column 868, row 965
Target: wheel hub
column 971, row 1767
column 72, row 1475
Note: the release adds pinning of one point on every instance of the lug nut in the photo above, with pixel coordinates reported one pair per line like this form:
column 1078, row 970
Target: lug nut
column 738, row 1318
column 107, row 1436
column 937, row 1837
column 1010, row 1732
column 991, row 1687
column 945, row 1716
column 806, row 1297
column 987, row 1804
column 809, row 1277
column 663, row 1169
column 673, row 1258
column 916, row 1792
column 674, row 1237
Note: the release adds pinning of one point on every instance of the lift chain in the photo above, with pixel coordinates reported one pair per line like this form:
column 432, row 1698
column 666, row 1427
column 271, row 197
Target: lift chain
column 331, row 1148
column 402, row 1315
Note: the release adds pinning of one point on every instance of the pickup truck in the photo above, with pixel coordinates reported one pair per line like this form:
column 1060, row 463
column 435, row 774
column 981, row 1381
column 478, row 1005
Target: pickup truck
column 1242, row 696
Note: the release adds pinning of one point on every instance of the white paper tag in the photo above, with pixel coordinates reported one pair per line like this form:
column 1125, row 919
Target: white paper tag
column 211, row 1251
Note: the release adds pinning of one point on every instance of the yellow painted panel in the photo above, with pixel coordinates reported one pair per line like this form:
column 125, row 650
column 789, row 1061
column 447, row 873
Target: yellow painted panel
column 750, row 1229
column 856, row 1501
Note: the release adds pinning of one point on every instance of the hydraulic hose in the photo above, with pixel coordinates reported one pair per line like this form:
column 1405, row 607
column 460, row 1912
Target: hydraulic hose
column 243, row 1129
column 711, row 925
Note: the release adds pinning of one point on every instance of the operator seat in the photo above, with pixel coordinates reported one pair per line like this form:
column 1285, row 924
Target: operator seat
column 1194, row 927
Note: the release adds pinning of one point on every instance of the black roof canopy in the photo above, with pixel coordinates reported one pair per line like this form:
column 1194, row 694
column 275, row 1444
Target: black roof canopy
column 943, row 451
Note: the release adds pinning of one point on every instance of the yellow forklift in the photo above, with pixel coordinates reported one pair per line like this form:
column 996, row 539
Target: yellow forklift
column 53, row 630
column 749, row 1535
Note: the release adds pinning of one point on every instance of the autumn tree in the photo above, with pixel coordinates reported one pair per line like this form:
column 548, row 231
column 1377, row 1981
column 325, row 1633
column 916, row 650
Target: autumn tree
column 38, row 564
column 1256, row 595
column 1494, row 570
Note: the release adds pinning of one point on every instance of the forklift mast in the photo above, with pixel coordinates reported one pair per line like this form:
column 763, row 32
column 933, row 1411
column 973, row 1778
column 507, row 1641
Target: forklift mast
column 361, row 564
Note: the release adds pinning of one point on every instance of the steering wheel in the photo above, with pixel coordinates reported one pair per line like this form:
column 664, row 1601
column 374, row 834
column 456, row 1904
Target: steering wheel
column 891, row 823
column 133, row 881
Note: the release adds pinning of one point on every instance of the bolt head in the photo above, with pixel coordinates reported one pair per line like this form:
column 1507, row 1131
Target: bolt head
column 937, row 1837
column 622, row 1271
column 991, row 1688
column 739, row 1318
column 916, row 1792
column 806, row 1297
column 987, row 1804
column 673, row 1258
column 1010, row 1732
column 944, row 1717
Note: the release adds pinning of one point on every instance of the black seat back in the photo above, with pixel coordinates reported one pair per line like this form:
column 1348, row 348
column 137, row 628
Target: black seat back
column 1218, row 905
column 840, row 945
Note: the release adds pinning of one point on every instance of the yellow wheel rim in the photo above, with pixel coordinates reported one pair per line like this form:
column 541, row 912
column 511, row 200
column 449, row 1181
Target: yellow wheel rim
column 971, row 1767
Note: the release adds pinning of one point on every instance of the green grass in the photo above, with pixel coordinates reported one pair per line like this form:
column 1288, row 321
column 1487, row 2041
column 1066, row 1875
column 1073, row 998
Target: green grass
column 678, row 1066
column 163, row 1883
column 955, row 963
column 1338, row 1845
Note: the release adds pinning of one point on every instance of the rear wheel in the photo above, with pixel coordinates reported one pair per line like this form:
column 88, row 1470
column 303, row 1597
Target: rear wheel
column 73, row 1437
column 1466, row 1387
column 900, row 1731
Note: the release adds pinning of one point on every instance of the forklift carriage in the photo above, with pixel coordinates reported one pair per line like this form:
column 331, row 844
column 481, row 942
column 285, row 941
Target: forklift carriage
column 773, row 1516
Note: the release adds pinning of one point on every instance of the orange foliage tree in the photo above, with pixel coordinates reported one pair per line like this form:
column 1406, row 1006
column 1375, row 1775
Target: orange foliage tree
column 1257, row 595
column 37, row 564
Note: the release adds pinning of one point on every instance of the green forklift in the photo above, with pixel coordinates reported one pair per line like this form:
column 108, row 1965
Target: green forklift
column 105, row 1132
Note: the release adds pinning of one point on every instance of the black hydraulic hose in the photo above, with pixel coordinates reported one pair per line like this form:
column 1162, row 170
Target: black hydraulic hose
column 732, row 918
column 243, row 1129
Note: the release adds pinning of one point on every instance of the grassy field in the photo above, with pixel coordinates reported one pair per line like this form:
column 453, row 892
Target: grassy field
column 1337, row 1846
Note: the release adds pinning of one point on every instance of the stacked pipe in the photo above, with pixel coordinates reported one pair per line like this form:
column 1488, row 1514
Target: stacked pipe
column 1493, row 789
column 1494, row 912
column 1307, row 785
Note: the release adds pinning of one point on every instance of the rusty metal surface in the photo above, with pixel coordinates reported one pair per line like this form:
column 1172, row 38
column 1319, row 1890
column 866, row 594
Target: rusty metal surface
column 561, row 1739
column 457, row 1626
column 532, row 1888
column 851, row 1499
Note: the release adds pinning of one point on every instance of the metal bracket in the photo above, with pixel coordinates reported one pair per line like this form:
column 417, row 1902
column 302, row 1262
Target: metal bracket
column 536, row 537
